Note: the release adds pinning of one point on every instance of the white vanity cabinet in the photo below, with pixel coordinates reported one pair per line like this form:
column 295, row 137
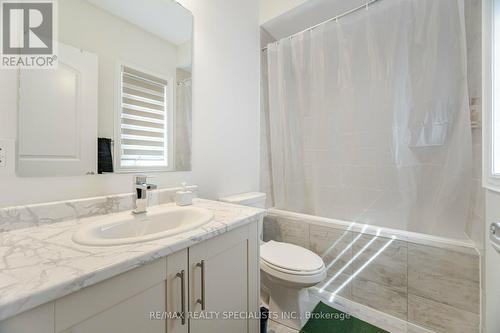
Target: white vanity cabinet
column 39, row 320
column 177, row 291
column 222, row 279
column 120, row 304
column 220, row 282
column 220, row 274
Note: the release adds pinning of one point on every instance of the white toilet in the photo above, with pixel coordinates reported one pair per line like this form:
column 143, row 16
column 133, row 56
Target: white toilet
column 287, row 271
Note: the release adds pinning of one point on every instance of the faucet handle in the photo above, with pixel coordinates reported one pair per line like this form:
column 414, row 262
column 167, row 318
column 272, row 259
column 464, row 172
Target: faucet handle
column 140, row 179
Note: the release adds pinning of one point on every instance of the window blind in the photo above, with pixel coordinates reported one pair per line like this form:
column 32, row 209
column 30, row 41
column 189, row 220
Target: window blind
column 143, row 140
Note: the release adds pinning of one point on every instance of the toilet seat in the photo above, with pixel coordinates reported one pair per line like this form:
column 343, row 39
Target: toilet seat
column 291, row 259
column 291, row 263
column 288, row 271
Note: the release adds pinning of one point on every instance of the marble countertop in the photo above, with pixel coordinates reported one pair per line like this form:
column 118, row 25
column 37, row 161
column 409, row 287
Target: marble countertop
column 41, row 264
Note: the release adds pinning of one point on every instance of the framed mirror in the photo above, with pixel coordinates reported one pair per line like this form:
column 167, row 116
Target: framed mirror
column 120, row 98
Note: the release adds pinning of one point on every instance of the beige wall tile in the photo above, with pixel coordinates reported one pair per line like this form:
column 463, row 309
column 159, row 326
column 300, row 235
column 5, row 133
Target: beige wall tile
column 333, row 282
column 379, row 297
column 444, row 276
column 333, row 246
column 283, row 229
column 440, row 317
column 270, row 228
column 388, row 268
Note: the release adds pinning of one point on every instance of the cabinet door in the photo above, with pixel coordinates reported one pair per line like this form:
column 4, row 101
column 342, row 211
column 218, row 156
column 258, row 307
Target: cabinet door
column 219, row 279
column 132, row 315
column 40, row 320
column 177, row 292
column 130, row 300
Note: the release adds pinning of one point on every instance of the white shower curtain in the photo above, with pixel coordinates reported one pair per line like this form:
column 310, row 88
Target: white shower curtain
column 369, row 118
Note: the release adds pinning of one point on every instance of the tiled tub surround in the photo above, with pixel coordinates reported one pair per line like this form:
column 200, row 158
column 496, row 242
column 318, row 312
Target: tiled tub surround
column 41, row 263
column 424, row 280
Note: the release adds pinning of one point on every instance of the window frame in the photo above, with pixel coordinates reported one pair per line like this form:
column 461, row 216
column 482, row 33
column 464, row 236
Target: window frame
column 169, row 118
column 491, row 181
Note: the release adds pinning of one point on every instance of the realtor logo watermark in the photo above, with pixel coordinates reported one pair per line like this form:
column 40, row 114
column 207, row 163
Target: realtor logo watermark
column 28, row 34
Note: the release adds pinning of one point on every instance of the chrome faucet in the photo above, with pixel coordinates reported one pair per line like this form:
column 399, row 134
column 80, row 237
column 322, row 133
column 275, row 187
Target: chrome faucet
column 141, row 191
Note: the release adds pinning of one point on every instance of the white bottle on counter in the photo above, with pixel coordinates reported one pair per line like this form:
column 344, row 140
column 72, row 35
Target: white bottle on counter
column 184, row 197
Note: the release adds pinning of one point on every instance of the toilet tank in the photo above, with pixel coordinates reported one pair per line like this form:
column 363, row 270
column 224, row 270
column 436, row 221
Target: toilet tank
column 252, row 199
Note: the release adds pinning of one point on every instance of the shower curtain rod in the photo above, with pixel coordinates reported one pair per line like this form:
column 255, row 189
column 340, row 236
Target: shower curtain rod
column 368, row 3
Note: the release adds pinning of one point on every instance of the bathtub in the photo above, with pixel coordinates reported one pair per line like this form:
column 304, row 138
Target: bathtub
column 411, row 278
column 461, row 245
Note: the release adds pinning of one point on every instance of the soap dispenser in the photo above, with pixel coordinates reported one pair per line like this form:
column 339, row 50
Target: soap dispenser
column 184, row 197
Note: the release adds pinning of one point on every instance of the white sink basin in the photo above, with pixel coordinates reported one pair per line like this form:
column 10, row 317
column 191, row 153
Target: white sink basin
column 127, row 228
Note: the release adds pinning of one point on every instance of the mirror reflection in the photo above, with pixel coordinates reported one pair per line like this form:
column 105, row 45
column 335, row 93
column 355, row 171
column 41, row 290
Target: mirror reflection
column 120, row 98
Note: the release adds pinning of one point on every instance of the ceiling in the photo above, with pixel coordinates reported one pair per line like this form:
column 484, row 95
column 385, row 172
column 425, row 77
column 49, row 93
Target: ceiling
column 307, row 14
column 163, row 18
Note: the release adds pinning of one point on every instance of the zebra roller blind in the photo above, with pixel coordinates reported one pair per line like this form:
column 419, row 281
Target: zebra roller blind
column 143, row 120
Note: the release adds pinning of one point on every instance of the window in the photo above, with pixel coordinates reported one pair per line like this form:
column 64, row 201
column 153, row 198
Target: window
column 491, row 93
column 143, row 137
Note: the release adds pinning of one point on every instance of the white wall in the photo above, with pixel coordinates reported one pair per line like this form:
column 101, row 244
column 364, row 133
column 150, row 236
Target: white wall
column 225, row 115
column 184, row 54
column 270, row 9
column 226, row 94
column 492, row 268
column 113, row 39
column 490, row 265
column 306, row 14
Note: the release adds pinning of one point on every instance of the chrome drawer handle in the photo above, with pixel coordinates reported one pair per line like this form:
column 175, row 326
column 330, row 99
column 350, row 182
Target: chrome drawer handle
column 202, row 299
column 495, row 235
column 182, row 276
column 495, row 229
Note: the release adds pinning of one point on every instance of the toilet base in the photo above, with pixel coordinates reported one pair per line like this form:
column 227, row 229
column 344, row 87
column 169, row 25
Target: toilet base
column 288, row 306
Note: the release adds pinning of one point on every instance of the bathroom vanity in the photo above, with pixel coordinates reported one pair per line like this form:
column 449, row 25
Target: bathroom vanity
column 173, row 284
column 118, row 103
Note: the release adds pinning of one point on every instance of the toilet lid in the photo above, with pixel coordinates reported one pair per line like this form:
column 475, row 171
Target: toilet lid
column 290, row 257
